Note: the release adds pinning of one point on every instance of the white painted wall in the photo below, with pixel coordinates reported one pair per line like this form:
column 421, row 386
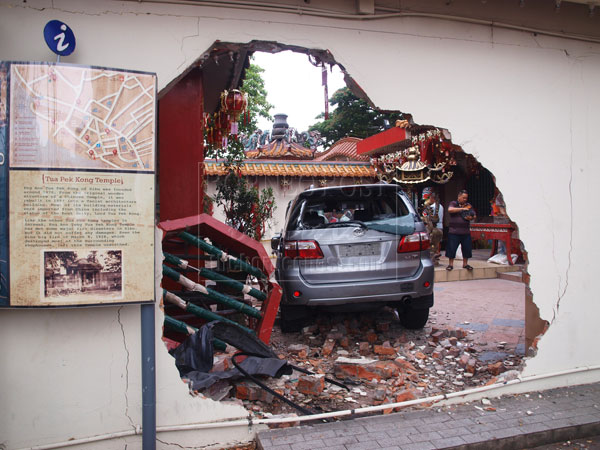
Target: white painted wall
column 527, row 107
column 282, row 197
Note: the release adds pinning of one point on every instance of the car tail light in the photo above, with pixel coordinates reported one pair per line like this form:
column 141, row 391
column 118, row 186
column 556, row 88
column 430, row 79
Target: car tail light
column 303, row 250
column 415, row 242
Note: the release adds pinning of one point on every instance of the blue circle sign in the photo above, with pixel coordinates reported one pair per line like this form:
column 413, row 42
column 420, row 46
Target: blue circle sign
column 59, row 37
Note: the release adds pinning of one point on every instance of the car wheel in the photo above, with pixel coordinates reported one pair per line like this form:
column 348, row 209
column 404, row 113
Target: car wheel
column 414, row 319
column 292, row 318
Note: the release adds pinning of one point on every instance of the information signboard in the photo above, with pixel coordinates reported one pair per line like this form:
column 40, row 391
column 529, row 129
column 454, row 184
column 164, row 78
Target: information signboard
column 3, row 184
column 81, row 193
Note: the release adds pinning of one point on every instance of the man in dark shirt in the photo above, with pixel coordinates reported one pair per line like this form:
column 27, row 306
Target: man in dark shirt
column 460, row 214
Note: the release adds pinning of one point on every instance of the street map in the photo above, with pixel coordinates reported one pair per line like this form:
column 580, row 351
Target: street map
column 81, row 118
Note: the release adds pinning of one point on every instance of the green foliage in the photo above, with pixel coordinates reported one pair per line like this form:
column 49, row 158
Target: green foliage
column 258, row 106
column 245, row 208
column 351, row 117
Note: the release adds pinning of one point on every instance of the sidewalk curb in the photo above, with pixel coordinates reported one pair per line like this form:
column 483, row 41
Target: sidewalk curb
column 534, row 439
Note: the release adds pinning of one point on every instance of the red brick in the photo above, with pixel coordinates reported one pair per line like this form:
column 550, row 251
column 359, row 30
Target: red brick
column 464, row 360
column 371, row 337
column 420, row 355
column 380, row 370
column 249, row 391
column 437, row 336
column 471, row 365
column 299, row 350
column 311, row 385
column 405, row 395
column 496, row 368
column 328, row 347
column 383, row 350
column 404, row 366
column 364, row 348
column 438, row 354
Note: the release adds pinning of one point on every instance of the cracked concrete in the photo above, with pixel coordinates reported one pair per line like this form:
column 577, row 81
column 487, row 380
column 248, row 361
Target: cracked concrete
column 126, row 391
column 570, row 190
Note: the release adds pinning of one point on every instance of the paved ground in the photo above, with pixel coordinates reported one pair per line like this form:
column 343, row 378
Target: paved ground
column 518, row 422
column 492, row 310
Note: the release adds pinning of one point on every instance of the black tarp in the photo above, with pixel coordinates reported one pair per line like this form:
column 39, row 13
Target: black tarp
column 194, row 356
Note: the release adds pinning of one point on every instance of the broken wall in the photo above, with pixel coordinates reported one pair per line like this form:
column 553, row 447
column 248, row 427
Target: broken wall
column 526, row 106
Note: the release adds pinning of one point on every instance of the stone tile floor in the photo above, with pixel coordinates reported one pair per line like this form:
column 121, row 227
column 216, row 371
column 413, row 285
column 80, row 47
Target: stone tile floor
column 493, row 311
column 481, row 268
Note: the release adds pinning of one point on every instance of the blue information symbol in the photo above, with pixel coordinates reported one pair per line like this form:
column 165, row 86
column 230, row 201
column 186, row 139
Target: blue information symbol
column 59, row 37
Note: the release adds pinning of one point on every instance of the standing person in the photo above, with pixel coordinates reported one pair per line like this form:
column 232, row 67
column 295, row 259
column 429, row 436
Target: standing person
column 437, row 220
column 499, row 210
column 461, row 213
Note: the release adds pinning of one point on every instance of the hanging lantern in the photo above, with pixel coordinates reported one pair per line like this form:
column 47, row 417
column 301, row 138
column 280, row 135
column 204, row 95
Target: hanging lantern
column 234, row 103
column 223, row 123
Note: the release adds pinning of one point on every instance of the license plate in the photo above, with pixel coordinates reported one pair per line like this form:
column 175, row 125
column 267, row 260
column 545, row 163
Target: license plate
column 372, row 249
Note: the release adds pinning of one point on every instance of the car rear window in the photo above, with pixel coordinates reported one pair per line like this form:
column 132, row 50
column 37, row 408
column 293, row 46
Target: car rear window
column 370, row 206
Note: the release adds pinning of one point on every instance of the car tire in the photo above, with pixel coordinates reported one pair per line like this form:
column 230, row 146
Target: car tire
column 414, row 319
column 292, row 318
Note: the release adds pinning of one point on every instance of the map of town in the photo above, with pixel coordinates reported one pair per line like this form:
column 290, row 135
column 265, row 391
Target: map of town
column 81, row 117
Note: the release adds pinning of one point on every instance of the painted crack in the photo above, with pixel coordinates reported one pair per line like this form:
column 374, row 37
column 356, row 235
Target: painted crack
column 126, row 368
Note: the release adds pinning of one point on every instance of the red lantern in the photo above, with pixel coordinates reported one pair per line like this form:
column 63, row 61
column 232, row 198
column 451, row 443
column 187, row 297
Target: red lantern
column 234, row 103
column 223, row 122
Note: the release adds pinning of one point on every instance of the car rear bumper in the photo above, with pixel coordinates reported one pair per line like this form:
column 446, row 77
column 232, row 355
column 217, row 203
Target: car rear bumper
column 404, row 290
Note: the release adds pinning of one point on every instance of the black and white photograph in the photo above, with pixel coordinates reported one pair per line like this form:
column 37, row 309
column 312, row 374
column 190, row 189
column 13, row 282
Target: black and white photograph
column 73, row 273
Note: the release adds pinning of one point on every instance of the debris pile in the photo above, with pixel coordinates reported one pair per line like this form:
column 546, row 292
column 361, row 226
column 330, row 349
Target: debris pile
column 375, row 357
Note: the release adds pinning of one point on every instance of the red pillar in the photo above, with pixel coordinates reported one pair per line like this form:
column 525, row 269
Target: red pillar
column 180, row 148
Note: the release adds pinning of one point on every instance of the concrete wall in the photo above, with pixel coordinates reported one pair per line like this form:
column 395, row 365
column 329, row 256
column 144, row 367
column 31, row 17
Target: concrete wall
column 527, row 106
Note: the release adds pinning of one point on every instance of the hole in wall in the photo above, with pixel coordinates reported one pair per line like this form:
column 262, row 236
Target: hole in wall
column 483, row 322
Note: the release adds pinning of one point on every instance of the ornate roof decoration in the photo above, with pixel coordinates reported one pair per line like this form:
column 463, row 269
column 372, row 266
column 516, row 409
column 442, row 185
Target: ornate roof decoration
column 295, row 169
column 283, row 142
column 342, row 150
column 429, row 158
column 281, row 149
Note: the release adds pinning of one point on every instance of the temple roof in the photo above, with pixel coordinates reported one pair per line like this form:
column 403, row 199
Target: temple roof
column 295, row 168
column 279, row 148
column 342, row 150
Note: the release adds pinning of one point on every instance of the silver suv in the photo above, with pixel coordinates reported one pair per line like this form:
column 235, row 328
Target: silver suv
column 352, row 247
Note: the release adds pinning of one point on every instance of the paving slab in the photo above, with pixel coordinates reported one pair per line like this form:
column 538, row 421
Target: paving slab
column 519, row 421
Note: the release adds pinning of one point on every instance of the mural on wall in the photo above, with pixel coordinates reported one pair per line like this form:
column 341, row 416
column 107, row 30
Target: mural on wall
column 81, row 185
